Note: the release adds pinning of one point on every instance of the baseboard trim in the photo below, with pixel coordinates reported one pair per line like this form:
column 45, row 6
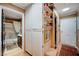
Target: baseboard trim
column 77, row 49
column 69, row 45
column 28, row 53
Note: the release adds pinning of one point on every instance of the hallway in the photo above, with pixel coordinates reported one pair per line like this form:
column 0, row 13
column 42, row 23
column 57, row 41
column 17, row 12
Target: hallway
column 16, row 52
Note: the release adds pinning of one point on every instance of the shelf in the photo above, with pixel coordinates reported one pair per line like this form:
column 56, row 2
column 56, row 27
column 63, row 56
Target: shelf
column 47, row 18
column 47, row 26
column 48, row 9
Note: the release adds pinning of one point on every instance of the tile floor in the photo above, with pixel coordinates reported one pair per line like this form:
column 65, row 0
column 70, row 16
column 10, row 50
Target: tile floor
column 16, row 52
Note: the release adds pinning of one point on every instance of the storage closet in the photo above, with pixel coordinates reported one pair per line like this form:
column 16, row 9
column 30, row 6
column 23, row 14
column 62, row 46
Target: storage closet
column 48, row 24
column 33, row 29
column 42, row 28
column 51, row 29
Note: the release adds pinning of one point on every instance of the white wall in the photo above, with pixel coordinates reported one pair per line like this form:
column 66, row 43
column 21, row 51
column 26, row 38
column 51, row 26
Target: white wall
column 77, row 41
column 0, row 29
column 78, row 21
column 34, row 29
column 68, row 31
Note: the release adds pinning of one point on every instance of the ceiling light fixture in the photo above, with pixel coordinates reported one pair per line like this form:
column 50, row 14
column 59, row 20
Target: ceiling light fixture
column 65, row 9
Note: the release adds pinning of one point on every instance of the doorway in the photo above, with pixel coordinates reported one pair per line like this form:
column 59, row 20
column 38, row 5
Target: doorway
column 11, row 31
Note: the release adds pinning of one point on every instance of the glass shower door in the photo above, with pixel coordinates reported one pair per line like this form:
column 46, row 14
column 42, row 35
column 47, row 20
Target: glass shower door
column 9, row 36
column 2, row 33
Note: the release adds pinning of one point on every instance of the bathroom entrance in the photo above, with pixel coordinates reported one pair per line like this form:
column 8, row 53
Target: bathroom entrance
column 11, row 32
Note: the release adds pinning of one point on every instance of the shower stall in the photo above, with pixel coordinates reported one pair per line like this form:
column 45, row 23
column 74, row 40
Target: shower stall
column 10, row 32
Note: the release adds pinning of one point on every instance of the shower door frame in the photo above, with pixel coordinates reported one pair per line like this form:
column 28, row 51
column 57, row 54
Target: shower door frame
column 23, row 28
column 2, row 39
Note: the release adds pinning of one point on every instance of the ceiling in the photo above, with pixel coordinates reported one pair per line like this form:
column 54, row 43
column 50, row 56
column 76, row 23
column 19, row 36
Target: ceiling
column 59, row 6
column 73, row 8
column 11, row 14
column 14, row 15
column 22, row 5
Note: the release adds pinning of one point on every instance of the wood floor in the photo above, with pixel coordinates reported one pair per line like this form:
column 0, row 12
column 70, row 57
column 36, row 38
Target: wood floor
column 68, row 51
column 16, row 52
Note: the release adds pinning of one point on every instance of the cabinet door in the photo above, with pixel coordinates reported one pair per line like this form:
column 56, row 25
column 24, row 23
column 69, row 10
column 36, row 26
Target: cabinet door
column 28, row 16
column 37, row 43
column 36, row 16
column 28, row 28
column 28, row 42
column 34, row 21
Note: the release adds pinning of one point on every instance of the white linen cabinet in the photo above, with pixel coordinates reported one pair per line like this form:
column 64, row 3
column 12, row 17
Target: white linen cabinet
column 33, row 17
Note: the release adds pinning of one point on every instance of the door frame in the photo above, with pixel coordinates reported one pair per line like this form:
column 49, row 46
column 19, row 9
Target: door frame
column 3, row 7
